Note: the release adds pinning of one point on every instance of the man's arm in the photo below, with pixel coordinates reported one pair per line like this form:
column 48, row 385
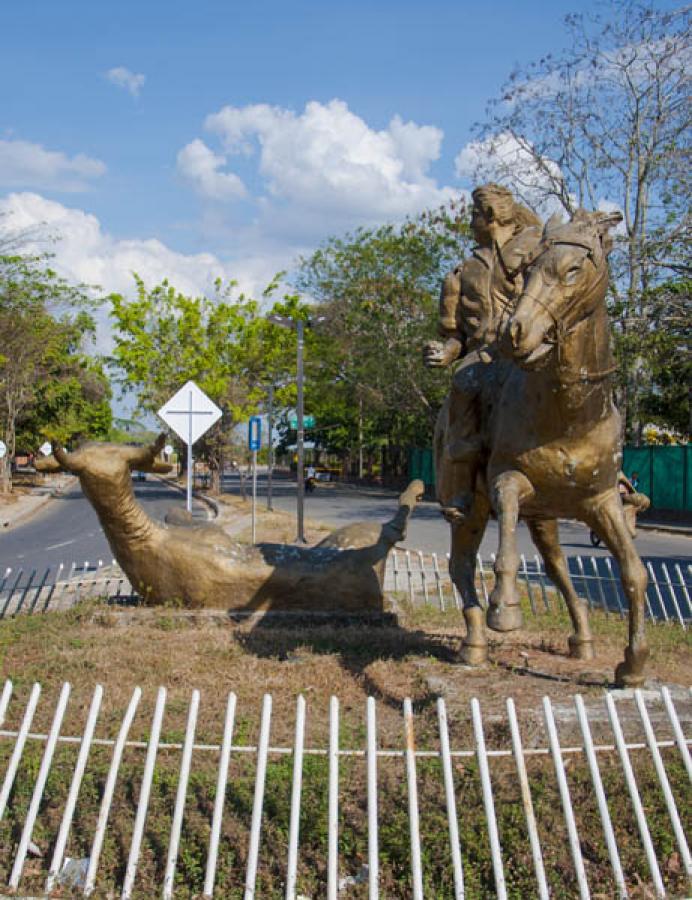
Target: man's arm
column 438, row 354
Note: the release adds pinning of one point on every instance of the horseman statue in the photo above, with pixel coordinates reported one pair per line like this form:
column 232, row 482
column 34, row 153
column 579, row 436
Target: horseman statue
column 529, row 429
column 477, row 298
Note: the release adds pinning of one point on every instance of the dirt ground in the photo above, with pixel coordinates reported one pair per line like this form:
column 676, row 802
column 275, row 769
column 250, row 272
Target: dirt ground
column 415, row 655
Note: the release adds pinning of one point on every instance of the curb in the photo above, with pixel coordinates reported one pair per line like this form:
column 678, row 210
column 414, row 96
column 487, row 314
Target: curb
column 208, row 501
column 680, row 530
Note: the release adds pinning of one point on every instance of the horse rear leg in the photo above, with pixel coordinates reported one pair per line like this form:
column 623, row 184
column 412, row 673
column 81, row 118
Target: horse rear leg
column 508, row 491
column 546, row 538
column 607, row 519
column 466, row 539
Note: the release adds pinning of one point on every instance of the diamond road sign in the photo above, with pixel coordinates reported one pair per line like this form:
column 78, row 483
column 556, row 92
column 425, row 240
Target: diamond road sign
column 189, row 413
column 46, row 448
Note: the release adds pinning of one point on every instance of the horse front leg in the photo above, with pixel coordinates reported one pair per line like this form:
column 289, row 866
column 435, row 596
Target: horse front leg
column 607, row 519
column 508, row 491
column 466, row 539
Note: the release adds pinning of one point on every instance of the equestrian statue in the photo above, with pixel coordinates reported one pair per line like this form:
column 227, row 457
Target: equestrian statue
column 529, row 429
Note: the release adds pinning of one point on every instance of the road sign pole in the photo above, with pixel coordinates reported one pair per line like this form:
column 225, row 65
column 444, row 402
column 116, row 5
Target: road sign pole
column 189, row 457
column 254, row 438
column 254, row 495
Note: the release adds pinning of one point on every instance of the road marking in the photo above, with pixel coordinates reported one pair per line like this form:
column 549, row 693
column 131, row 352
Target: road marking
column 64, row 544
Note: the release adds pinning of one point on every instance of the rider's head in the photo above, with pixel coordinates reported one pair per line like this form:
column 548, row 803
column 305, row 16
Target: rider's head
column 494, row 207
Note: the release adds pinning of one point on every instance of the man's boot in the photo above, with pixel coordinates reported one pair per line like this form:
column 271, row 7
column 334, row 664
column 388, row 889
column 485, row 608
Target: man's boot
column 459, row 508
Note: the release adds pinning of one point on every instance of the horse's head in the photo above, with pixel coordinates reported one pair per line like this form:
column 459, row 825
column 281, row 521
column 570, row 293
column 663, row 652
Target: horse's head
column 567, row 275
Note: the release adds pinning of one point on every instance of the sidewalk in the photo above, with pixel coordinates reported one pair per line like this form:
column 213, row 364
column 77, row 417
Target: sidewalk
column 667, row 527
column 25, row 505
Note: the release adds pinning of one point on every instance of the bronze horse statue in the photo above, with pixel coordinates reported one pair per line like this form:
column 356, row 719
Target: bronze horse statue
column 552, row 438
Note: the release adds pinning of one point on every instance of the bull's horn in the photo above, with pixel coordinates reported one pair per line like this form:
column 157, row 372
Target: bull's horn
column 47, row 464
column 139, row 457
column 69, row 462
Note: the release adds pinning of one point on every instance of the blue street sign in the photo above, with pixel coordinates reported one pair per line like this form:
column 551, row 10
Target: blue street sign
column 254, row 433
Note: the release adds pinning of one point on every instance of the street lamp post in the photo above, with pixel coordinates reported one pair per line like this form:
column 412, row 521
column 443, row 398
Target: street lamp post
column 300, row 331
column 270, row 445
column 299, row 326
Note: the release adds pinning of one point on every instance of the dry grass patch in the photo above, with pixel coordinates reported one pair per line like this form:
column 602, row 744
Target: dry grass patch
column 95, row 643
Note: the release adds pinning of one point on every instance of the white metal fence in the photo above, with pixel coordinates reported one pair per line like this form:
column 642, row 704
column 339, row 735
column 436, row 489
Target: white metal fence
column 652, row 713
column 33, row 590
column 423, row 577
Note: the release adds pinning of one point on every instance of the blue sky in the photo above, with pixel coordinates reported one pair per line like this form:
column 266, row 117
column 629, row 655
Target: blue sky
column 230, row 137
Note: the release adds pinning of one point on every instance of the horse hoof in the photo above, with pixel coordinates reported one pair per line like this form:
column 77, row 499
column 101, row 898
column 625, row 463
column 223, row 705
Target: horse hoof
column 580, row 648
column 630, row 672
column 505, row 618
column 473, row 655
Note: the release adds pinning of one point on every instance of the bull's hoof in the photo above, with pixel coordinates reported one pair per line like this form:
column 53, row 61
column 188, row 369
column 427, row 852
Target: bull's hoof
column 505, row 618
column 630, row 672
column 474, row 654
column 580, row 648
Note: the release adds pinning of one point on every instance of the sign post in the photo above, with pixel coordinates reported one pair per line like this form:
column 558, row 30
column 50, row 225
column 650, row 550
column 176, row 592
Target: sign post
column 190, row 413
column 254, row 441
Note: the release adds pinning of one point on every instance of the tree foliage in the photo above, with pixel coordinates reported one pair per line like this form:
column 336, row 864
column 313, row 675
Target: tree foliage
column 49, row 387
column 164, row 338
column 376, row 291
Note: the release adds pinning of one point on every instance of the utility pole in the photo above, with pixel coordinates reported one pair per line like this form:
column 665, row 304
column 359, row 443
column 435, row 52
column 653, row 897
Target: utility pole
column 360, row 438
column 299, row 326
column 300, row 331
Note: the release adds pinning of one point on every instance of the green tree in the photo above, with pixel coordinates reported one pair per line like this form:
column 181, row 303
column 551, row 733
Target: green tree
column 377, row 291
column 48, row 386
column 164, row 338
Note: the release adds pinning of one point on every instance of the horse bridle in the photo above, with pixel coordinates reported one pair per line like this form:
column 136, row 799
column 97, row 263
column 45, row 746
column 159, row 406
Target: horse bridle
column 561, row 329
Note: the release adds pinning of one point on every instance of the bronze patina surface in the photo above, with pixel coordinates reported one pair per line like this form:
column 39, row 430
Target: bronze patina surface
column 197, row 566
column 535, row 434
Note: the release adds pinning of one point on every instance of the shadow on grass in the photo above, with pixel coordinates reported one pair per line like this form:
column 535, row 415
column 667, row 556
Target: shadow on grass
column 355, row 646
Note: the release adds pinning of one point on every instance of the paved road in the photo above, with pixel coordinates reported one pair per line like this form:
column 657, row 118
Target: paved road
column 338, row 505
column 67, row 530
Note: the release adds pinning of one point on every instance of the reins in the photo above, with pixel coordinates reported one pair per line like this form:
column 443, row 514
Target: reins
column 561, row 329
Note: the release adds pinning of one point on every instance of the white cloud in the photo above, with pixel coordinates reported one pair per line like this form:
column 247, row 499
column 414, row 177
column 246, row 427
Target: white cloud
column 84, row 252
column 126, row 79
column 200, row 166
column 323, row 169
column 27, row 165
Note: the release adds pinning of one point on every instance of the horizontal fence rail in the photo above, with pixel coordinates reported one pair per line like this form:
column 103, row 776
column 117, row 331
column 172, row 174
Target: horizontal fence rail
column 423, row 577
column 75, row 852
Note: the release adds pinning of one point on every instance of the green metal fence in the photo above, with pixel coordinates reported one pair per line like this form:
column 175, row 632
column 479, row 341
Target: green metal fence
column 664, row 473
